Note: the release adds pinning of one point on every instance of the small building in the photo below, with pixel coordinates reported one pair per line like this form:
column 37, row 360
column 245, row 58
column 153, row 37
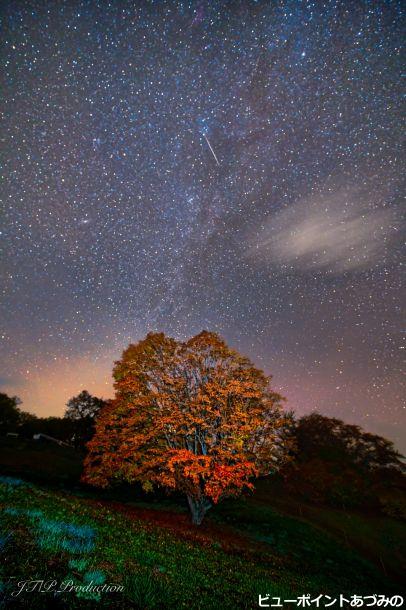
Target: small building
column 45, row 437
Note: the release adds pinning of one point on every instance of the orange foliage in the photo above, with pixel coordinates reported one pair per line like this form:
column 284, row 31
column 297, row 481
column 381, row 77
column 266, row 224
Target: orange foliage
column 195, row 416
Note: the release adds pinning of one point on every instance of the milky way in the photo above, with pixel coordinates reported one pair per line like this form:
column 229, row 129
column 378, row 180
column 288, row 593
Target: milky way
column 234, row 166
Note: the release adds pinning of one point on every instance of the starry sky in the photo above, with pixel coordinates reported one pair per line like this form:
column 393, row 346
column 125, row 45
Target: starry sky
column 233, row 166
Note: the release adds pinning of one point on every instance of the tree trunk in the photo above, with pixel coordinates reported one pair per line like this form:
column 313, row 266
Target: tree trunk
column 198, row 508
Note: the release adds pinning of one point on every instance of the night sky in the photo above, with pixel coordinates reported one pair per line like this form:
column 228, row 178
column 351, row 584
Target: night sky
column 179, row 166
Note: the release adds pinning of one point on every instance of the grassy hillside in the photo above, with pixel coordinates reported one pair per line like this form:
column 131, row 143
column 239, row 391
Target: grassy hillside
column 40, row 460
column 379, row 538
column 161, row 560
column 268, row 542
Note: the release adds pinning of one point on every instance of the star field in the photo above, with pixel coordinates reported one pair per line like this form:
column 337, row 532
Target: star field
column 235, row 166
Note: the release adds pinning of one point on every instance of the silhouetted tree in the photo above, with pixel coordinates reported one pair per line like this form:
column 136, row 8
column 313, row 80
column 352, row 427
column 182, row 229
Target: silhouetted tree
column 82, row 411
column 334, row 440
column 9, row 413
column 28, row 424
column 341, row 464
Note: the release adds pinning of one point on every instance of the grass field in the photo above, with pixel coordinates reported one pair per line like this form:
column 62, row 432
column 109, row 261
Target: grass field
column 48, row 534
column 266, row 543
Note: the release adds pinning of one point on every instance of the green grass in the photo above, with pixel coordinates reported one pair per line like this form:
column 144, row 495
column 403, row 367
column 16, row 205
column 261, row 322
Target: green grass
column 379, row 538
column 49, row 534
column 322, row 559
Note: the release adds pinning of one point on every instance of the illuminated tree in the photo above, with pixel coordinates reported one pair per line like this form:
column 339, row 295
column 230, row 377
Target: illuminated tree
column 195, row 417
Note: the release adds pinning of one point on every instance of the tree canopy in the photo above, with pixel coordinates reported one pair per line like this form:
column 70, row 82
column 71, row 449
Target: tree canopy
column 334, row 440
column 81, row 411
column 9, row 412
column 83, row 405
column 194, row 416
column 340, row 464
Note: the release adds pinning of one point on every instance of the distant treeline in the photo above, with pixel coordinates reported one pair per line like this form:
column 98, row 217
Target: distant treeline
column 76, row 427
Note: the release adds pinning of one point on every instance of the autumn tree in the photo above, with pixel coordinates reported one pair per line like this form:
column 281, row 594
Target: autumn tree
column 196, row 417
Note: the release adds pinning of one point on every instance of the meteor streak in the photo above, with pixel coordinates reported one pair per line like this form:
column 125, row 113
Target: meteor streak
column 211, row 148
